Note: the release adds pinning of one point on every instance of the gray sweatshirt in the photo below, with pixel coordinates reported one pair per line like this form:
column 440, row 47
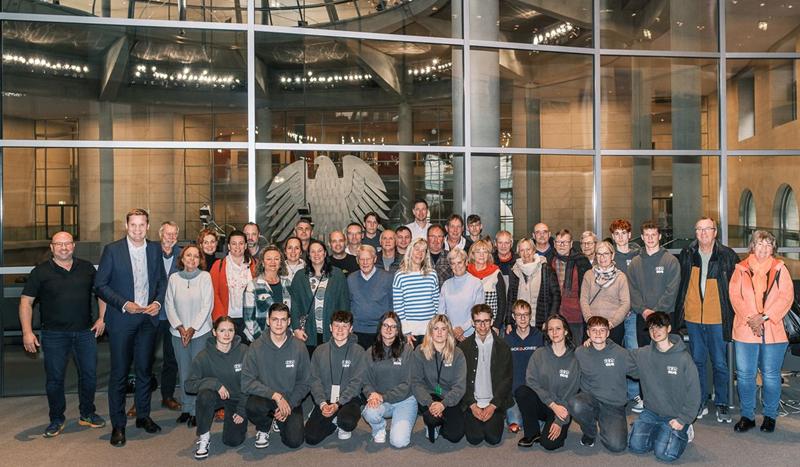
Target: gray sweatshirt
column 670, row 385
column 552, row 378
column 343, row 366
column 212, row 369
column 390, row 377
column 269, row 369
column 453, row 378
column 603, row 372
column 654, row 281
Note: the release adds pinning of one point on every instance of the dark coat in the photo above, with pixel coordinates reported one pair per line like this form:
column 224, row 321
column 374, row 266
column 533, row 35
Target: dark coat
column 501, row 372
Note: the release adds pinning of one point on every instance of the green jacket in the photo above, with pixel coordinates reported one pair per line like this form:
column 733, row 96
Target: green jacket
column 337, row 297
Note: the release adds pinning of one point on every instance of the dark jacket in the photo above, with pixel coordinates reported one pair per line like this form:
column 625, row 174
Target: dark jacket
column 549, row 300
column 501, row 372
column 575, row 259
column 212, row 369
column 720, row 267
column 337, row 297
column 398, row 258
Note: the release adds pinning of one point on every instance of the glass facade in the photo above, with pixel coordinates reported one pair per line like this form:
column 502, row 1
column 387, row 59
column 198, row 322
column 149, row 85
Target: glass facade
column 573, row 113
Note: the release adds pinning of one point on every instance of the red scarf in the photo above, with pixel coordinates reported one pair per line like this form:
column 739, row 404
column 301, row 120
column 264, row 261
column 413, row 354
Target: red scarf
column 487, row 271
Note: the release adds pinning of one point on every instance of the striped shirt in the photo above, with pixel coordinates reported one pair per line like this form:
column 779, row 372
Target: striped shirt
column 416, row 299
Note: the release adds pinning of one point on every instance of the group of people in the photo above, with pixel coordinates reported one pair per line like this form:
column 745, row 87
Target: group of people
column 466, row 330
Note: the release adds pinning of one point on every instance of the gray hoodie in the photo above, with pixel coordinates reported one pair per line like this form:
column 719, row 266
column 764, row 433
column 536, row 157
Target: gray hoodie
column 654, row 281
column 670, row 385
column 269, row 369
column 343, row 366
column 603, row 372
column 453, row 378
column 390, row 377
column 212, row 369
column 552, row 378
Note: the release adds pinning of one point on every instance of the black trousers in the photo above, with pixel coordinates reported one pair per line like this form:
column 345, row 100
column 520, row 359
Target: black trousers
column 451, row 422
column 642, row 335
column 533, row 410
column 617, row 335
column 319, row 427
column 490, row 431
column 169, row 366
column 589, row 412
column 208, row 402
column 261, row 412
column 238, row 326
column 366, row 339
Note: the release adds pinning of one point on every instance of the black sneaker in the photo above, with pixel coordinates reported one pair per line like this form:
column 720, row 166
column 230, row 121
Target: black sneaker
column 587, row 441
column 53, row 429
column 722, row 414
column 768, row 425
column 528, row 441
column 744, row 424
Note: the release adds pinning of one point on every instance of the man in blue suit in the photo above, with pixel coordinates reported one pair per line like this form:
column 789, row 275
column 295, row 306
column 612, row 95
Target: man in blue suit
column 132, row 281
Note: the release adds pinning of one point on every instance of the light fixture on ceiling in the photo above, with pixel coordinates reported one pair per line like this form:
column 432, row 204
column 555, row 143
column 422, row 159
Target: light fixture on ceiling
column 763, row 25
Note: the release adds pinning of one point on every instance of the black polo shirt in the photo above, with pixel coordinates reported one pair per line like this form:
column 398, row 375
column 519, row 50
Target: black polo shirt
column 65, row 297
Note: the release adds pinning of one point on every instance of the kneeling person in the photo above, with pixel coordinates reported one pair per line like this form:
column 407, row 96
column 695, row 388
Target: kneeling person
column 604, row 366
column 337, row 372
column 276, row 377
column 489, row 377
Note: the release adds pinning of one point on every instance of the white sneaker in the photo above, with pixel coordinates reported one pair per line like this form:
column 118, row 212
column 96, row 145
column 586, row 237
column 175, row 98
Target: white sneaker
column 703, row 412
column 690, row 433
column 202, row 446
column 262, row 439
column 638, row 405
column 275, row 426
column 379, row 437
column 343, row 435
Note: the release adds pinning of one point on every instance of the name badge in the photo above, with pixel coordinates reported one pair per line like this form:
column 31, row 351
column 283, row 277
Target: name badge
column 334, row 393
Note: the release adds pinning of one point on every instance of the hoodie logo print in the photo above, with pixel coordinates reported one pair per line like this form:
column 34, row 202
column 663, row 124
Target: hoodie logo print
column 672, row 370
column 237, row 367
column 289, row 363
column 345, row 363
column 659, row 269
column 609, row 361
column 563, row 373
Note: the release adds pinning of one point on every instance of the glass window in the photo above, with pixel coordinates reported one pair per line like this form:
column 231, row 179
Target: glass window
column 673, row 191
column 761, row 26
column 419, row 18
column 335, row 91
column 122, row 83
column 689, row 25
column 218, row 11
column 659, row 103
column 547, row 23
column 529, row 99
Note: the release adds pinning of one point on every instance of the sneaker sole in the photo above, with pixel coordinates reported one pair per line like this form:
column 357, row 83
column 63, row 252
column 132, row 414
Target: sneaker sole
column 635, row 410
column 723, row 420
column 200, row 456
column 90, row 424
column 260, row 446
column 53, row 435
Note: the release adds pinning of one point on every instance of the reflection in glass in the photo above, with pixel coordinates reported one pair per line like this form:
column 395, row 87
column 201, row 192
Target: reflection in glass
column 761, row 26
column 672, row 191
column 546, row 23
column 689, row 25
column 218, row 11
column 659, row 103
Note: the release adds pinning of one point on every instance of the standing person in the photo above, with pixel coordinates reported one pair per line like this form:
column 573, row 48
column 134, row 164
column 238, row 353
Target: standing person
column 372, row 234
column 489, row 375
column 419, row 226
column 404, row 238
column 534, row 281
column 208, row 241
column 481, row 265
column 388, row 257
column 703, row 307
column 504, row 256
column 304, row 230
column 230, row 277
column 671, row 393
column 370, row 295
column 188, row 303
column 551, row 380
column 455, row 234
column 474, row 228
column 589, row 245
column 604, row 366
column 271, row 285
column 337, row 376
column 215, row 377
column 523, row 340
column 252, row 234
column 761, row 293
column 317, row 292
column 63, row 287
column 293, row 252
column 355, row 233
column 387, row 384
column 439, row 381
column 543, row 241
column 339, row 257
column 438, row 254
column 459, row 294
column 276, row 377
column 570, row 267
column 170, row 251
column 415, row 291
column 654, row 278
column 131, row 280
column 605, row 293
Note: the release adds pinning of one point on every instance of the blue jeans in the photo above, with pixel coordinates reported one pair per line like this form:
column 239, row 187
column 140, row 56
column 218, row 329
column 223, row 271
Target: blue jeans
column 705, row 339
column 652, row 433
column 765, row 357
column 631, row 342
column 57, row 347
column 403, row 415
column 513, row 415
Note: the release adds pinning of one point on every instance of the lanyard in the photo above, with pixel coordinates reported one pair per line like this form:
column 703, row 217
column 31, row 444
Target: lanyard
column 439, row 364
column 341, row 373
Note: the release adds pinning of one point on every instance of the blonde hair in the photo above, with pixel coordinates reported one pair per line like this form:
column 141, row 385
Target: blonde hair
column 485, row 244
column 525, row 240
column 406, row 265
column 457, row 253
column 428, row 350
column 606, row 245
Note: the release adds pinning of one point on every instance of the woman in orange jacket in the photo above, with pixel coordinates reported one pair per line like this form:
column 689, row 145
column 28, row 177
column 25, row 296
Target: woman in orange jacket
column 761, row 293
column 230, row 277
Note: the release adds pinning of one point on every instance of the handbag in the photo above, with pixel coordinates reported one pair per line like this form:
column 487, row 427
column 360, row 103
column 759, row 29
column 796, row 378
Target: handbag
column 791, row 321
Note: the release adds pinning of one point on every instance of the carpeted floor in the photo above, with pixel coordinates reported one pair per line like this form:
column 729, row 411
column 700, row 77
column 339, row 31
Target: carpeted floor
column 24, row 420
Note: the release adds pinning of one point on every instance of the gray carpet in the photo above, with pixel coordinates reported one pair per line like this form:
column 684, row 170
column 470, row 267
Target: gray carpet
column 24, row 419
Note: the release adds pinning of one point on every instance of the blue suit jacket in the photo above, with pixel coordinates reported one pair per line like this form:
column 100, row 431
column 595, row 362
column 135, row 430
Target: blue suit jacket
column 114, row 282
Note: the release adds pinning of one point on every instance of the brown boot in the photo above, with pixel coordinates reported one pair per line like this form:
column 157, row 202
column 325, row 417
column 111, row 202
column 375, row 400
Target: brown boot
column 171, row 404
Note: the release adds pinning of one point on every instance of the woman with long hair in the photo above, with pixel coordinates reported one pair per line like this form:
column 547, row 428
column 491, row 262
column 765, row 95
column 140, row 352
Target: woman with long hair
column 230, row 277
column 415, row 291
column 271, row 285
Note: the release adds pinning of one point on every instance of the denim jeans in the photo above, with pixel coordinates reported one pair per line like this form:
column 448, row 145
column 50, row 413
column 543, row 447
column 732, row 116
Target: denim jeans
column 765, row 357
column 588, row 412
column 184, row 357
column 631, row 342
column 705, row 339
column 57, row 347
column 651, row 432
column 403, row 415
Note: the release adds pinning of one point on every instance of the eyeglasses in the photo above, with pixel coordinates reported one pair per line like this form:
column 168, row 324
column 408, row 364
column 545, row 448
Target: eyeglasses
column 522, row 315
column 481, row 322
column 587, row 243
column 563, row 242
column 705, row 229
column 63, row 244
column 604, row 254
column 389, row 327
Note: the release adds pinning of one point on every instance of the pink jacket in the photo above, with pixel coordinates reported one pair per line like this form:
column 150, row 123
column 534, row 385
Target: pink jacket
column 779, row 298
